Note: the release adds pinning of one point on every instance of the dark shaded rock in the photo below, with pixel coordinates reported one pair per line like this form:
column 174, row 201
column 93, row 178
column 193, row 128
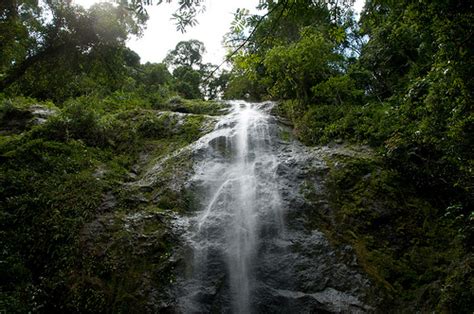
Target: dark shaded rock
column 18, row 120
column 108, row 203
column 132, row 252
column 41, row 114
column 295, row 267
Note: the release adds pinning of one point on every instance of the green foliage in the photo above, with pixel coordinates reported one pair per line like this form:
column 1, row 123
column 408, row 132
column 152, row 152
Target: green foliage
column 54, row 178
column 338, row 91
column 14, row 31
column 188, row 82
column 78, row 51
column 214, row 82
column 195, row 106
column 321, row 124
column 295, row 69
column 400, row 82
column 292, row 49
column 186, row 54
column 49, row 192
column 155, row 75
column 117, row 101
column 192, row 78
column 241, row 87
column 402, row 241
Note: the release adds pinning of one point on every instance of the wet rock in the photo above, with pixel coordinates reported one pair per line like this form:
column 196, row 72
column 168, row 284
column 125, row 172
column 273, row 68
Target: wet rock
column 220, row 144
column 328, row 300
column 294, row 267
column 41, row 114
column 15, row 121
column 18, row 120
column 109, row 202
column 181, row 262
column 132, row 252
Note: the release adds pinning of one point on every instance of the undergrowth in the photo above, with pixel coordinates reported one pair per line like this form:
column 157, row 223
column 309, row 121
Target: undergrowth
column 54, row 179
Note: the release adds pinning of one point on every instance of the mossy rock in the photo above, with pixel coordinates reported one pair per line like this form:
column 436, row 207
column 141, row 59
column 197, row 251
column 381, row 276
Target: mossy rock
column 399, row 238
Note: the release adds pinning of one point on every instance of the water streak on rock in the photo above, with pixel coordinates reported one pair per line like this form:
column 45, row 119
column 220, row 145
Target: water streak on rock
column 243, row 255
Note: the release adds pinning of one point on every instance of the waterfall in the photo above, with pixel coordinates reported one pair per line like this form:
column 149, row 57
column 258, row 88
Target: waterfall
column 236, row 178
column 249, row 246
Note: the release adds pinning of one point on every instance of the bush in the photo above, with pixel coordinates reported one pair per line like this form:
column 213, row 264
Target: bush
column 175, row 100
column 370, row 124
column 76, row 121
column 49, row 192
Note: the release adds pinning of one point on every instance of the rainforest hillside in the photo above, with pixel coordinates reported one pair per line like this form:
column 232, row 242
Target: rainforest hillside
column 84, row 124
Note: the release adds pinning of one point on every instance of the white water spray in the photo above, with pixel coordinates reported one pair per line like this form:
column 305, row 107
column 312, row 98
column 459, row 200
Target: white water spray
column 237, row 180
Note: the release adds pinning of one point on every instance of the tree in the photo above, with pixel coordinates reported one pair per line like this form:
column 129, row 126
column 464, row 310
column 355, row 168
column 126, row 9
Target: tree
column 193, row 78
column 278, row 49
column 32, row 34
column 214, row 83
column 188, row 82
column 184, row 17
column 186, row 53
column 72, row 45
column 16, row 23
column 296, row 68
column 155, row 74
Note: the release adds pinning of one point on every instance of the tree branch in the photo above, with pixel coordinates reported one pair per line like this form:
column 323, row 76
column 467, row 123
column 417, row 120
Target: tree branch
column 246, row 41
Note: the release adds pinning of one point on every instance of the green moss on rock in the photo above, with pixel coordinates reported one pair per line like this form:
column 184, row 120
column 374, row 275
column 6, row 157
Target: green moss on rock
column 400, row 239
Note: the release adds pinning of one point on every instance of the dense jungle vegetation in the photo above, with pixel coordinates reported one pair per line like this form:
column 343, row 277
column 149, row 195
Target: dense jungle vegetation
column 78, row 110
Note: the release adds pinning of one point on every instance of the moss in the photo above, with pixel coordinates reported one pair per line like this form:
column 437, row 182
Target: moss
column 196, row 106
column 365, row 260
column 129, row 257
column 49, row 192
column 458, row 288
column 399, row 238
column 285, row 135
column 59, row 177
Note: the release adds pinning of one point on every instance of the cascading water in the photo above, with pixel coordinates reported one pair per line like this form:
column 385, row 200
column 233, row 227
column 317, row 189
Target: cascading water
column 236, row 178
column 242, row 255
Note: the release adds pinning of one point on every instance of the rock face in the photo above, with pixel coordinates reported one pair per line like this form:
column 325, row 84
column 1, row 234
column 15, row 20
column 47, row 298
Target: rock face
column 250, row 245
column 128, row 257
column 19, row 120
column 238, row 235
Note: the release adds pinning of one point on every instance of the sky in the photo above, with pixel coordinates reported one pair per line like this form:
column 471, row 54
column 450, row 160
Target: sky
column 161, row 36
